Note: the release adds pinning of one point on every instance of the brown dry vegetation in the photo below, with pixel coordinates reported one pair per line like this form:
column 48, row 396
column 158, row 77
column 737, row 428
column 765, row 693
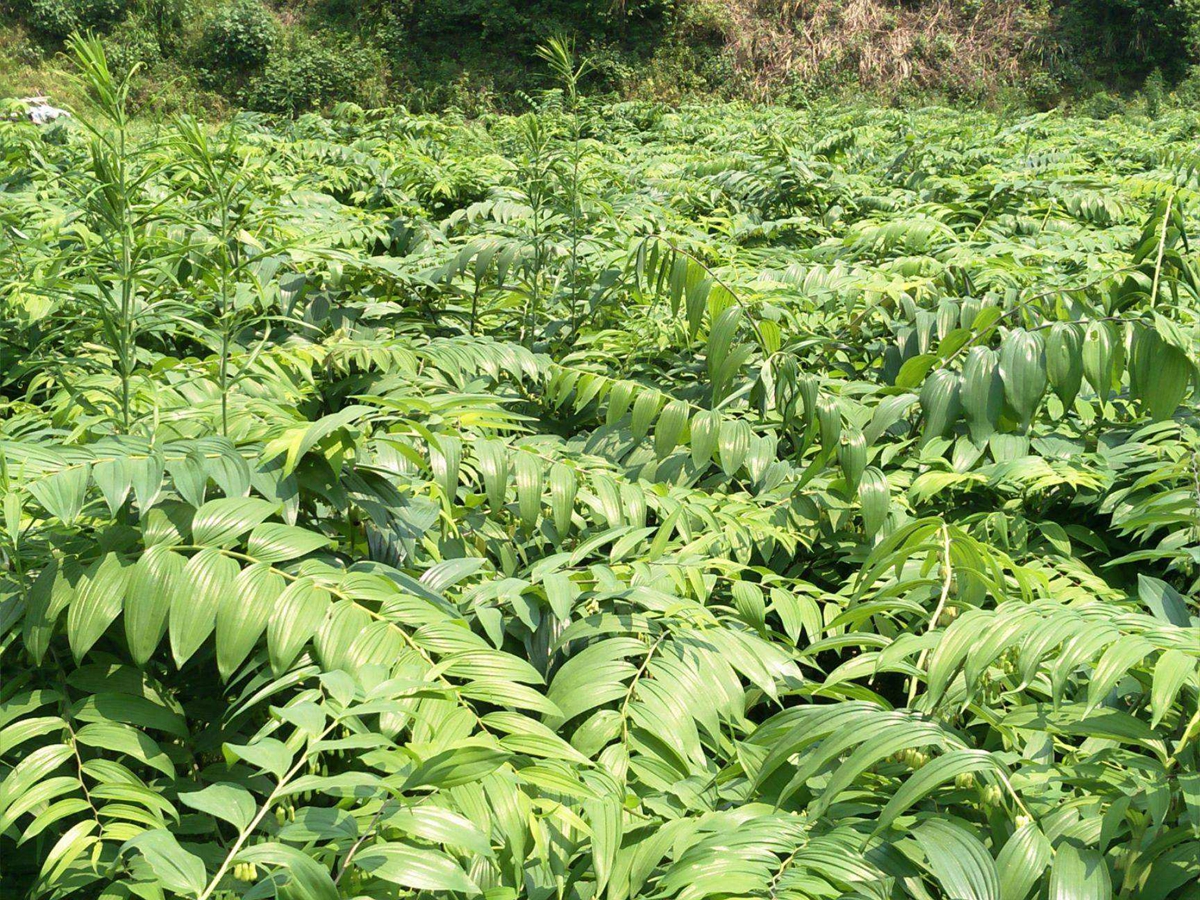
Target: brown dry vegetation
column 889, row 46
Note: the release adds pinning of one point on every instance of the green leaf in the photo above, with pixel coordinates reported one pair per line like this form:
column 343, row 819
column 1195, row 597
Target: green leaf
column 940, row 402
column 959, row 862
column 128, row 741
column 415, row 868
column 563, row 488
column 528, row 472
column 63, row 493
column 1022, row 862
column 733, row 446
column 97, row 603
column 243, row 613
column 230, row 802
column 925, row 781
column 115, row 479
column 272, row 542
column 177, row 870
column 982, row 393
column 1079, row 875
column 706, row 426
column 1023, row 371
column 454, row 767
column 669, row 428
column 219, row 523
column 268, row 754
column 303, row 877
column 156, row 578
column 299, row 612
column 206, row 579
column 441, row 826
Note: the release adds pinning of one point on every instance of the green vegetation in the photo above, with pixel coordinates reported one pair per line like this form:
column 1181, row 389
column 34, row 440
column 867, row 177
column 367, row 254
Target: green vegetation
column 287, row 56
column 604, row 502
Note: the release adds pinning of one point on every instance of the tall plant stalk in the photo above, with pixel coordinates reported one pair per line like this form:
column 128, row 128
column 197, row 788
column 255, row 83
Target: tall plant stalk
column 559, row 52
column 125, row 263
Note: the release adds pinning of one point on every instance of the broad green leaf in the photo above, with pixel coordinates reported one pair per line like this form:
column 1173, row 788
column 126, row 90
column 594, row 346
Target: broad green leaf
column 206, row 579
column 97, row 602
column 416, row 868
column 219, row 523
column 959, row 862
column 230, row 802
column 298, row 613
column 1079, row 875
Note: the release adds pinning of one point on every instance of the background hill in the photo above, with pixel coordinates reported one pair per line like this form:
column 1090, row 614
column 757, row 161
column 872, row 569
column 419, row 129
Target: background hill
column 291, row 55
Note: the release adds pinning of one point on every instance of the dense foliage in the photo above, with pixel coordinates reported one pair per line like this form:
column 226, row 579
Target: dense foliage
column 601, row 502
column 478, row 55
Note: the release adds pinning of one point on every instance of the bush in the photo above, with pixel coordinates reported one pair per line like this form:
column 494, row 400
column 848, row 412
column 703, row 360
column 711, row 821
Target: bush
column 1043, row 89
column 239, row 37
column 131, row 44
column 1103, row 105
column 168, row 20
column 56, row 19
column 312, row 74
column 1188, row 91
column 1154, row 93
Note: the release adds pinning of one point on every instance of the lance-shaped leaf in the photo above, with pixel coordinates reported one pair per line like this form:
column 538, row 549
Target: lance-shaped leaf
column 493, row 466
column 97, row 602
column 1064, row 361
column 982, row 393
column 1022, row 861
column 669, row 428
column 445, row 457
column 243, row 613
column 706, row 427
column 829, row 417
column 416, row 868
column 1079, row 875
column 852, row 457
column 158, row 575
column 644, row 409
column 63, row 493
column 178, row 870
column 958, row 860
column 563, row 487
column 1098, row 344
column 221, row 522
column 1160, row 374
column 940, row 402
column 875, row 497
column 528, row 470
column 1023, row 370
column 734, row 445
column 114, row 477
column 206, row 579
column 299, row 612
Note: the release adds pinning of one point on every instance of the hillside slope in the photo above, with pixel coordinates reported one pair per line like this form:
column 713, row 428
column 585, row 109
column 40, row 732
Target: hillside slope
column 290, row 55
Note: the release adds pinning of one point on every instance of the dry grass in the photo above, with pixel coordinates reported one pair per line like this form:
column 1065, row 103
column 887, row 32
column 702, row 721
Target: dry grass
column 886, row 45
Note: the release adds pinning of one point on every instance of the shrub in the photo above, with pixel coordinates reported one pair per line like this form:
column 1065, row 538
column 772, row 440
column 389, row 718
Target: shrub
column 131, row 44
column 1188, row 91
column 312, row 74
column 1154, row 92
column 1043, row 90
column 240, row 36
column 56, row 19
column 1102, row 105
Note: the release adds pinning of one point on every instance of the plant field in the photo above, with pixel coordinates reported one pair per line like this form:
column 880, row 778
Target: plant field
column 607, row 502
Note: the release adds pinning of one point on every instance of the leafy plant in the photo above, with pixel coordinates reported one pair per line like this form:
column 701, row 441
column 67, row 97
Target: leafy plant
column 605, row 502
column 239, row 37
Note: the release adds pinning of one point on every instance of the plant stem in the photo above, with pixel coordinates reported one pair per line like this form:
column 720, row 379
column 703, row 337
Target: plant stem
column 262, row 811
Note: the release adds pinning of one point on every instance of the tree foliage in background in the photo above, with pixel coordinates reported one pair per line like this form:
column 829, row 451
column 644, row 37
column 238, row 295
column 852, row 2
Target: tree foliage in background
column 479, row 56
column 602, row 502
